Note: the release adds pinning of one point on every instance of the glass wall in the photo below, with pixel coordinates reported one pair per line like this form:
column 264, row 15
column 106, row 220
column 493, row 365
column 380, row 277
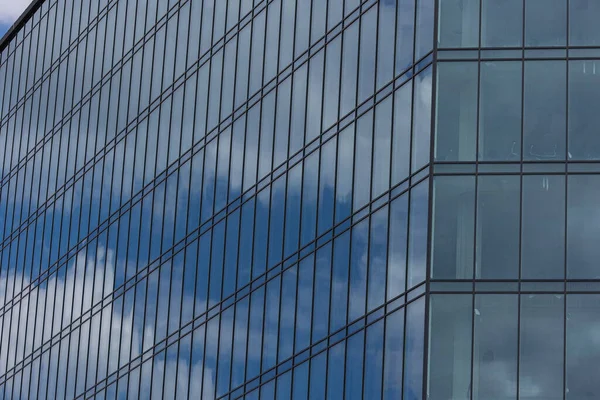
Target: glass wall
column 513, row 258
column 216, row 199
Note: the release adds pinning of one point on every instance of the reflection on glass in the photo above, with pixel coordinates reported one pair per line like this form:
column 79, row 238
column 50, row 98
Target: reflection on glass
column 424, row 30
column 458, row 24
column 497, row 237
column 541, row 347
column 354, row 366
column 405, row 34
column 417, row 247
column 544, row 122
column 401, row 133
column 450, row 346
column 393, row 352
column 543, row 227
column 501, row 23
column 545, row 22
column 583, row 352
column 583, row 23
column 396, row 273
column 583, row 228
column 584, row 103
column 453, row 227
column 413, row 351
column 421, row 134
column 495, row 347
column 500, row 111
column 373, row 361
column 456, row 111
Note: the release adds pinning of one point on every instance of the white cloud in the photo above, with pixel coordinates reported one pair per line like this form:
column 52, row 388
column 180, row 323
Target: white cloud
column 10, row 10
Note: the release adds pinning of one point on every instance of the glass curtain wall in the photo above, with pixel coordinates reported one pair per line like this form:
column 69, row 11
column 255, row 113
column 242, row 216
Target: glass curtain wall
column 514, row 274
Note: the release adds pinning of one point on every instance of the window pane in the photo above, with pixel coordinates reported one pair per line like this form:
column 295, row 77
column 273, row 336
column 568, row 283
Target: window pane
column 456, row 111
column 450, row 346
column 501, row 23
column 458, row 23
column 541, row 347
column 545, row 22
column 421, row 119
column 583, row 352
column 495, row 347
column 393, row 352
column 544, row 111
column 584, row 103
column 543, row 227
column 424, row 31
column 497, row 227
column 413, row 351
column 453, row 227
column 583, row 229
column 417, row 244
column 583, row 22
column 500, row 111
column 396, row 273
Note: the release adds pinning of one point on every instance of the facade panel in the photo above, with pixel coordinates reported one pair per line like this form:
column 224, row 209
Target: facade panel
column 513, row 269
column 215, row 199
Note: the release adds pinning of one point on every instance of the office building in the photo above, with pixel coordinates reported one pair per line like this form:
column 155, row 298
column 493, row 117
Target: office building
column 286, row 199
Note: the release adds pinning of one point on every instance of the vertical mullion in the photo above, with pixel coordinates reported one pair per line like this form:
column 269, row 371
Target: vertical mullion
column 42, row 238
column 138, row 253
column 99, row 205
column 110, row 201
column 58, row 369
column 193, row 135
column 10, row 294
column 155, row 195
column 249, row 70
column 352, row 203
column 212, row 205
column 75, row 269
column 19, row 329
column 216, row 184
column 231, row 216
column 81, row 216
column 189, row 190
column 285, row 195
column 566, row 189
column 34, row 229
column 301, row 187
column 335, row 186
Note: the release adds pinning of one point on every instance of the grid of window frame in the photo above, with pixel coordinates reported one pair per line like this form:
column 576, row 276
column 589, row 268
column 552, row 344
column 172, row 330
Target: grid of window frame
column 455, row 302
column 88, row 234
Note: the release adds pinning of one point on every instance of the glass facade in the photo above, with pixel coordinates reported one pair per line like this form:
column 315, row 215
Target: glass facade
column 215, row 199
column 301, row 199
column 514, row 286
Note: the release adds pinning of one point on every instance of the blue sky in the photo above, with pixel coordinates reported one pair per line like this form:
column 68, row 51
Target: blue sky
column 9, row 12
column 3, row 28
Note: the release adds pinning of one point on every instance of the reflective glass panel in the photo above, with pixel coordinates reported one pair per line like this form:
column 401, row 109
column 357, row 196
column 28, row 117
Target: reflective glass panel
column 541, row 347
column 450, row 346
column 495, row 347
column 583, row 23
column 456, row 111
column 458, row 24
column 453, row 227
column 545, row 22
column 500, row 111
column 501, row 23
column 544, row 125
column 584, row 103
column 497, row 237
column 543, row 227
column 583, row 352
column 583, row 229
